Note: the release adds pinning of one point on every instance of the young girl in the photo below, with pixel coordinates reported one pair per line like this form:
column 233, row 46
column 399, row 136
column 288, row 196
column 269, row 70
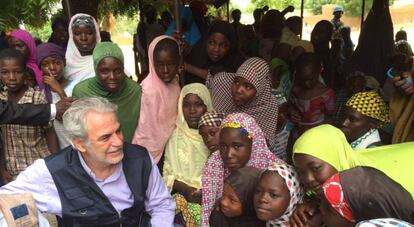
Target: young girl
column 185, row 153
column 364, row 193
column 218, row 52
column 277, row 194
column 23, row 41
column 160, row 91
column 51, row 60
column 311, row 102
column 249, row 91
column 323, row 151
column 22, row 145
column 236, row 204
column 242, row 143
column 209, row 129
column 83, row 36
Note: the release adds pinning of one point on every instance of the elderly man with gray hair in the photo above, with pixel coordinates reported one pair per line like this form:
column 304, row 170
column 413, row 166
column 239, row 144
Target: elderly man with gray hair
column 99, row 180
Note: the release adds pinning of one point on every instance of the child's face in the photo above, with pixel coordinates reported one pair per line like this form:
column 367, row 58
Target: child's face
column 84, row 38
column 313, row 172
column 296, row 52
column 307, row 78
column 111, row 73
column 53, row 66
column 356, row 84
column 61, row 34
column 271, row 198
column 230, row 203
column 235, row 148
column 193, row 109
column 218, row 46
column 30, row 79
column 12, row 74
column 166, row 65
column 19, row 45
column 210, row 136
column 242, row 91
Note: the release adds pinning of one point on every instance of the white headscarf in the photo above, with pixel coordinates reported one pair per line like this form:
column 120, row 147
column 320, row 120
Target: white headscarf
column 79, row 67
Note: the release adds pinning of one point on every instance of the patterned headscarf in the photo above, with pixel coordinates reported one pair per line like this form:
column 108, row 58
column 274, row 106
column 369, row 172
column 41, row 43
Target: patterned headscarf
column 370, row 104
column 291, row 179
column 84, row 20
column 212, row 119
column 332, row 189
column 384, row 222
column 263, row 108
column 215, row 172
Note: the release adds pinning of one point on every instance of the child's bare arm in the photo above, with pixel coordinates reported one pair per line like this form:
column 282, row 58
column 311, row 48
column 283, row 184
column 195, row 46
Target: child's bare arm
column 52, row 140
column 54, row 86
column 6, row 177
column 202, row 73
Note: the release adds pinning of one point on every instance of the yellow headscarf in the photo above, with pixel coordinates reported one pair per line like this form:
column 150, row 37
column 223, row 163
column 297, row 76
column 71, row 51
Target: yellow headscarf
column 329, row 144
column 370, row 104
column 186, row 153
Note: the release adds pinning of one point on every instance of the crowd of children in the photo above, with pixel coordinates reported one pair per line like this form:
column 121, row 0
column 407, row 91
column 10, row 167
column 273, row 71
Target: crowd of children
column 269, row 129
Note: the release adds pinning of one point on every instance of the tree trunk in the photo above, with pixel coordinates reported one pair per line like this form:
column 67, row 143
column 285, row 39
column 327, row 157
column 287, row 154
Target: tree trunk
column 72, row 7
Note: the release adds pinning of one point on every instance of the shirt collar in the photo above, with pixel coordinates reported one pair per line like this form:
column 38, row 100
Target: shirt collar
column 114, row 176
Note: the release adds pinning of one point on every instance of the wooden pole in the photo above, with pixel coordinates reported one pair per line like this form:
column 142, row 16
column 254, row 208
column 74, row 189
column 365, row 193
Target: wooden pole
column 178, row 29
column 362, row 13
column 228, row 10
column 302, row 7
column 67, row 8
column 177, row 16
column 143, row 40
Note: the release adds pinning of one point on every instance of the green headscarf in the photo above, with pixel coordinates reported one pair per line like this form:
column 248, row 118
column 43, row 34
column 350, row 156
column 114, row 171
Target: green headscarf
column 285, row 84
column 329, row 144
column 127, row 98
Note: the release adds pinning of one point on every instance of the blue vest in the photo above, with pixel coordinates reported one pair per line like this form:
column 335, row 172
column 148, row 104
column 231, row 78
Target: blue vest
column 84, row 203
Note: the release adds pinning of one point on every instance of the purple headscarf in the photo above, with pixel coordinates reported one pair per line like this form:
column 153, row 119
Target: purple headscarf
column 48, row 49
column 28, row 40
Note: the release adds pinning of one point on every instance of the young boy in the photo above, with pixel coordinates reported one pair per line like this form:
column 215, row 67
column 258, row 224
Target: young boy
column 22, row 144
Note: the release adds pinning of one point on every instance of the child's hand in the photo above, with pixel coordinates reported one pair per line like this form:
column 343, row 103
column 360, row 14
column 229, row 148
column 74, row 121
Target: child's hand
column 180, row 38
column 52, row 83
column 404, row 83
column 195, row 196
column 294, row 115
column 6, row 176
column 303, row 214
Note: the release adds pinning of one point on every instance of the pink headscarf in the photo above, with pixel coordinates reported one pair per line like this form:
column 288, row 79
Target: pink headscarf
column 28, row 40
column 158, row 109
column 215, row 173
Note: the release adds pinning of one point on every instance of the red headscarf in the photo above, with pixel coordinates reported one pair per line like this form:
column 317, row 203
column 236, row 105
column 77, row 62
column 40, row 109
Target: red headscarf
column 334, row 194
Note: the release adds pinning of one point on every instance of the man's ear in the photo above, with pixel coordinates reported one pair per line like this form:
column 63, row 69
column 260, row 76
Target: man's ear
column 79, row 144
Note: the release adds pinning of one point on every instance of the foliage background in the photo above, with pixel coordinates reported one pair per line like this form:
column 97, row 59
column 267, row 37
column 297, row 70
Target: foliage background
column 37, row 14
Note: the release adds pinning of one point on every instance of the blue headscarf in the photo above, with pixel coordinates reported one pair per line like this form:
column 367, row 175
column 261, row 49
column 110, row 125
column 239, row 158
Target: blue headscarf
column 192, row 35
